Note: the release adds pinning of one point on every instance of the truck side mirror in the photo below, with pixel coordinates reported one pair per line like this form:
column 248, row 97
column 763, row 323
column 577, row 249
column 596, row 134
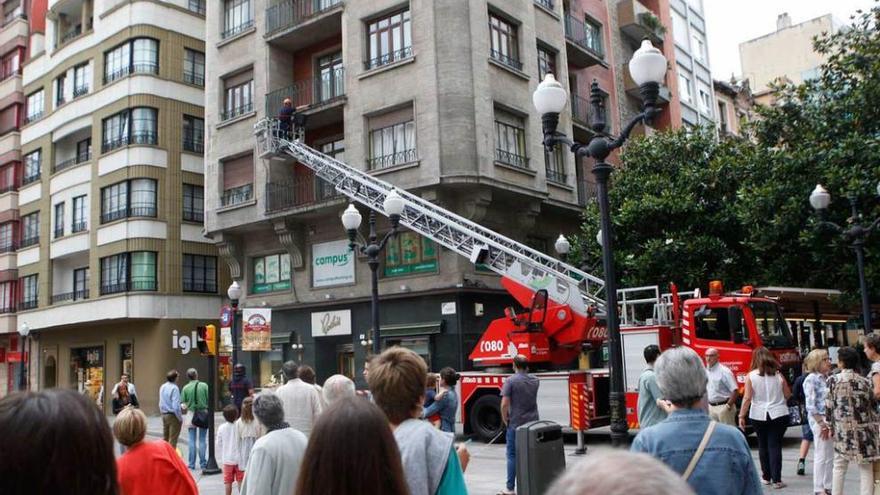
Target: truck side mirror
column 734, row 314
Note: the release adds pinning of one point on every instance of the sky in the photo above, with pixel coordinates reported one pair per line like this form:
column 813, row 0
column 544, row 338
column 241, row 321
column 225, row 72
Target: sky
column 731, row 22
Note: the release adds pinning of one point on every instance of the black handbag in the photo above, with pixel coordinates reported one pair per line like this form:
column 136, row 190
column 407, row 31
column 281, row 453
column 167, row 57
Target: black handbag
column 200, row 418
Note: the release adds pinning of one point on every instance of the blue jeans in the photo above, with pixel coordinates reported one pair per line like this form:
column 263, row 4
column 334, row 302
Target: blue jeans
column 202, row 445
column 511, row 457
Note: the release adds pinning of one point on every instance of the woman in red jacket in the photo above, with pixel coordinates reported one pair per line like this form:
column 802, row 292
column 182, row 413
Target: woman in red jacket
column 148, row 467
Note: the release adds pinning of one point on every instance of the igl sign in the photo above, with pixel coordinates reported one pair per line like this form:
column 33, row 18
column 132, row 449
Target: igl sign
column 185, row 343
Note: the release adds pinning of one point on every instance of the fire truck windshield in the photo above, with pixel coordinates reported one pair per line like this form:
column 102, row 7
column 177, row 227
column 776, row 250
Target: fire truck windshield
column 771, row 325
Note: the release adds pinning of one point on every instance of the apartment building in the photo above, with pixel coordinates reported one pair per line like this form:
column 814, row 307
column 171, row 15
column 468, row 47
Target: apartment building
column 785, row 54
column 13, row 49
column 114, row 273
column 735, row 106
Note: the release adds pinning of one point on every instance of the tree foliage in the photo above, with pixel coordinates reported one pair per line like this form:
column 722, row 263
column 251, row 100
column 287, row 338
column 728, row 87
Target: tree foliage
column 689, row 208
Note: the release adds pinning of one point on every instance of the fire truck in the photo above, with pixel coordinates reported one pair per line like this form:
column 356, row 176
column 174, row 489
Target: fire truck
column 566, row 310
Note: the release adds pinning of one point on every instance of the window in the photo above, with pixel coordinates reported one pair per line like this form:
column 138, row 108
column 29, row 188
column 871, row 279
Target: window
column 79, row 222
column 332, row 77
column 335, row 149
column 30, row 229
column 238, row 179
column 684, row 88
column 193, row 134
column 199, row 273
column 271, row 273
column 239, row 17
column 59, row 220
column 389, row 39
column 35, row 106
column 137, row 56
column 84, row 150
column 680, row 30
column 592, row 37
column 193, row 203
column 714, row 323
column 29, row 291
column 503, row 43
column 32, row 163
column 193, row 67
column 133, row 126
column 555, row 165
column 510, row 140
column 123, row 272
column 10, row 64
column 132, row 198
column 546, row 63
column 197, row 6
column 7, row 297
column 698, row 46
column 239, row 99
column 392, row 139
column 82, row 76
column 59, row 89
column 7, row 177
column 705, row 102
column 722, row 117
column 81, row 283
column 409, row 253
column 7, row 237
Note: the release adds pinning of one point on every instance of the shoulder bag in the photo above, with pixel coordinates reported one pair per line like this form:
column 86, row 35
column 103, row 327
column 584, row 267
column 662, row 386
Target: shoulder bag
column 200, row 416
column 699, row 453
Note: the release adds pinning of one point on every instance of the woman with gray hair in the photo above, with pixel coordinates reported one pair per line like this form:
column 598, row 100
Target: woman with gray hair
column 615, row 472
column 713, row 458
column 337, row 387
column 273, row 466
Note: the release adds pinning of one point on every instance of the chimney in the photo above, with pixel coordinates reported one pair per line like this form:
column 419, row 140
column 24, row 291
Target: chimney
column 783, row 21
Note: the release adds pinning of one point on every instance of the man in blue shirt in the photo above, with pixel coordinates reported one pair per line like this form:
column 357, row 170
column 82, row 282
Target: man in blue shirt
column 169, row 407
column 725, row 466
column 519, row 405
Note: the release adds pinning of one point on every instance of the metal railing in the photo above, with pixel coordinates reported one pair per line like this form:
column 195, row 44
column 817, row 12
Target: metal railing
column 385, row 161
column 7, row 309
column 556, row 176
column 197, row 286
column 59, row 232
column 388, row 58
column 237, row 195
column 129, row 286
column 193, row 78
column 132, row 211
column 17, row 13
column 9, row 247
column 33, row 117
column 586, row 192
column 191, row 215
column 320, row 90
column 138, row 68
column 290, row 13
column 70, row 296
column 27, row 179
column 235, row 112
column 547, row 4
column 195, row 144
column 137, row 137
column 588, row 39
column 6, row 75
column 73, row 33
column 580, row 109
column 31, row 304
column 197, row 6
column 71, row 162
column 229, row 33
column 298, row 192
column 505, row 59
column 510, row 158
column 79, row 227
column 30, row 241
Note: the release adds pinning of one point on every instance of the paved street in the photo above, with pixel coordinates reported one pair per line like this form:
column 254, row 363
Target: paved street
column 485, row 475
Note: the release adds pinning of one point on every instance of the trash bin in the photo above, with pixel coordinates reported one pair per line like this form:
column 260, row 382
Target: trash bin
column 540, row 456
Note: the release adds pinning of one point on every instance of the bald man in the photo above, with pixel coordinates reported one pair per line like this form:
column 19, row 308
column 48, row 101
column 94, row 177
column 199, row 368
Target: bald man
column 721, row 390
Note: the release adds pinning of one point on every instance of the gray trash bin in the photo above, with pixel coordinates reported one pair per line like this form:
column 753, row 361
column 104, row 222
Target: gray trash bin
column 540, row 456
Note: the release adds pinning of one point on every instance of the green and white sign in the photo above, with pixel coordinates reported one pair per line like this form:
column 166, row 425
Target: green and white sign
column 332, row 264
column 410, row 254
column 271, row 273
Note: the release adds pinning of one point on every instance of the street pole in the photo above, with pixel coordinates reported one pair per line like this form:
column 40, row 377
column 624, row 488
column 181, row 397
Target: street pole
column 22, row 378
column 374, row 287
column 211, row 466
column 234, row 303
column 858, row 247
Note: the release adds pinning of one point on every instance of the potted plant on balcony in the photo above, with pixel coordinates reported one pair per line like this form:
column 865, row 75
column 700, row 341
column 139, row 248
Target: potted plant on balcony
column 652, row 23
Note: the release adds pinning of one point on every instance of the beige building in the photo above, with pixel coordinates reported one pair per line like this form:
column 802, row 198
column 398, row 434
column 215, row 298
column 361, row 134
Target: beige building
column 735, row 106
column 786, row 53
column 114, row 273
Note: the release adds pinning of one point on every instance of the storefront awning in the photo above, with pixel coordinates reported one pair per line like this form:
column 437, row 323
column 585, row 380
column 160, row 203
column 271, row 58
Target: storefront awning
column 409, row 329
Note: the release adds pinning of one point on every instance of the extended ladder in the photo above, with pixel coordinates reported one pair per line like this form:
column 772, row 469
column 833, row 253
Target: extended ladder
column 565, row 284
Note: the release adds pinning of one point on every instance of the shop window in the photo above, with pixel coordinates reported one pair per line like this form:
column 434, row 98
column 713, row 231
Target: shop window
column 419, row 345
column 409, row 253
column 87, row 373
column 126, row 361
column 271, row 273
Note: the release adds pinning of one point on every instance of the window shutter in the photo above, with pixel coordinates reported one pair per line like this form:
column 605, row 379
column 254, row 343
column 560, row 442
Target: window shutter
column 238, row 172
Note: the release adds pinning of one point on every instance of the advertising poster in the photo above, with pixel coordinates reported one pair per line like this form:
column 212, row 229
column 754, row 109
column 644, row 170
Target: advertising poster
column 257, row 335
column 332, row 264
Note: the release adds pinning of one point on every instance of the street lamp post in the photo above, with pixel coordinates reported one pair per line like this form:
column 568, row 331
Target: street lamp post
column 23, row 331
column 855, row 235
column 351, row 220
column 234, row 293
column 648, row 68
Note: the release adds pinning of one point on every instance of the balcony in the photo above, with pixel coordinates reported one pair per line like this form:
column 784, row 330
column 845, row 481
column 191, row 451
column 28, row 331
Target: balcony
column 507, row 60
column 586, row 192
column 638, row 22
column 137, row 137
column 193, row 143
column 295, row 24
column 632, row 89
column 582, row 118
column 29, row 241
column 556, row 176
column 297, row 193
column 31, row 304
column 80, row 159
column 148, row 211
column 129, row 286
column 80, row 91
column 322, row 96
column 197, row 6
column 236, row 112
column 8, row 247
column 385, row 161
column 33, row 117
column 512, row 159
column 70, row 296
column 236, row 30
column 202, row 286
column 547, row 4
column 388, row 58
column 139, row 68
column 191, row 215
column 193, row 78
column 237, row 195
column 583, row 43
column 81, row 226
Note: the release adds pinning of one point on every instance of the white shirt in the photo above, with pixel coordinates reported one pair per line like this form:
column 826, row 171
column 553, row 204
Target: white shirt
column 721, row 383
column 131, row 389
column 274, row 463
column 768, row 397
column 302, row 404
column 228, row 445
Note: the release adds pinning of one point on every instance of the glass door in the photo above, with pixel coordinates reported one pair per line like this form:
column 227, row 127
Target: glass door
column 331, row 77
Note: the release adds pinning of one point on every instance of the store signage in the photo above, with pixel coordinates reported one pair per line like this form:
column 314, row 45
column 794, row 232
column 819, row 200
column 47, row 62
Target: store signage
column 447, row 308
column 329, row 323
column 332, row 264
column 226, row 316
column 185, row 343
column 257, row 334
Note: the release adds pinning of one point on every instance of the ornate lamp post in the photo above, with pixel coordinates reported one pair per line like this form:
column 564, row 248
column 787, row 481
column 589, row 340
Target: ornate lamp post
column 351, row 220
column 648, row 68
column 855, row 234
column 23, row 331
column 234, row 293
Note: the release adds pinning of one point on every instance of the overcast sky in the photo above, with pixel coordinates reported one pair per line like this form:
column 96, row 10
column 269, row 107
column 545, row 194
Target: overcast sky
column 730, row 22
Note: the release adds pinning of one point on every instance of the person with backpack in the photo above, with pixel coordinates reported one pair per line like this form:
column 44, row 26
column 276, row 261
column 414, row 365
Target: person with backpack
column 195, row 399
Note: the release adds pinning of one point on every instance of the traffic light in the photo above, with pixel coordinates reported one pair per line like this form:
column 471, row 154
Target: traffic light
column 207, row 340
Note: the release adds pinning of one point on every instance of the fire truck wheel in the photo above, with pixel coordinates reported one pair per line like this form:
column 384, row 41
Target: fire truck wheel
column 485, row 418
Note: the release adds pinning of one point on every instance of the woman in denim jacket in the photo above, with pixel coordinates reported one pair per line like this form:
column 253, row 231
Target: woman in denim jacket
column 446, row 401
column 726, row 465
